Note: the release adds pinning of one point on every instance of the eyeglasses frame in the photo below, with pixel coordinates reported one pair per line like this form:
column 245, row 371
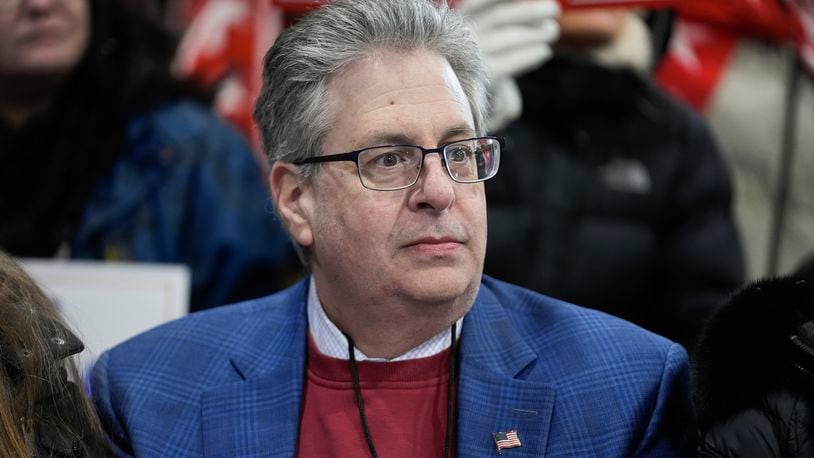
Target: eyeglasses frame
column 353, row 156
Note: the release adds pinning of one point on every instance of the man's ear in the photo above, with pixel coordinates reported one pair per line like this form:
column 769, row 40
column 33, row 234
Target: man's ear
column 293, row 200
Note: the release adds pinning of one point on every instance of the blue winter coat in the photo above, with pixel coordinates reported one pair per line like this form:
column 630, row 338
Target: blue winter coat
column 188, row 191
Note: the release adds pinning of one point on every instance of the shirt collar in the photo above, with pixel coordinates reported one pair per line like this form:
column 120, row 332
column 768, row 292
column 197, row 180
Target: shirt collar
column 331, row 342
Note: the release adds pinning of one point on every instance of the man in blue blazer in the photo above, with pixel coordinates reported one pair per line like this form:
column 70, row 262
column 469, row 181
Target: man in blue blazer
column 372, row 113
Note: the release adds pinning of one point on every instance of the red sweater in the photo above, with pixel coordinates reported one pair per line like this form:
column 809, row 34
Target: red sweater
column 405, row 405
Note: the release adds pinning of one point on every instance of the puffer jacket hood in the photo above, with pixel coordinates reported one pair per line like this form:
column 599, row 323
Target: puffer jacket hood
column 748, row 351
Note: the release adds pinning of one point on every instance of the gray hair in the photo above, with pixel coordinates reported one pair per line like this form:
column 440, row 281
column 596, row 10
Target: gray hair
column 292, row 111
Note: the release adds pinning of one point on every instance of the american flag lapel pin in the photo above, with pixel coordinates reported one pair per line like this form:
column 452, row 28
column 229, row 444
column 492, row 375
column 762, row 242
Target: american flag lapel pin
column 506, row 439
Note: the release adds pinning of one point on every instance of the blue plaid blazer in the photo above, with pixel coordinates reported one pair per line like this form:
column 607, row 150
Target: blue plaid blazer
column 227, row 382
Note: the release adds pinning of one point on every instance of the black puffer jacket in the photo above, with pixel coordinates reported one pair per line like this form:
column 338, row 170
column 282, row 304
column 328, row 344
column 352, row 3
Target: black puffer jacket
column 613, row 196
column 755, row 373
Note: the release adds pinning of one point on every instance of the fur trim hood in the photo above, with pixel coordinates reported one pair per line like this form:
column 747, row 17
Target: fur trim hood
column 753, row 346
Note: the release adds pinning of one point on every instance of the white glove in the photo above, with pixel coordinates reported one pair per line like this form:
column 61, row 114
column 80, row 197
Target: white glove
column 507, row 104
column 514, row 37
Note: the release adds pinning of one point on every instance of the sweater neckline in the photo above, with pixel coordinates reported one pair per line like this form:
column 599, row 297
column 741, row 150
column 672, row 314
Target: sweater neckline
column 427, row 369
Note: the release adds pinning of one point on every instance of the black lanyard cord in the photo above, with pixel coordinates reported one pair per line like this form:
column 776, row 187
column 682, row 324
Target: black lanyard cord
column 360, row 402
column 357, row 392
column 450, row 386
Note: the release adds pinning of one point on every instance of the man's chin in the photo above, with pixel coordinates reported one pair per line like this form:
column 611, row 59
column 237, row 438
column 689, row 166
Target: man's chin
column 444, row 286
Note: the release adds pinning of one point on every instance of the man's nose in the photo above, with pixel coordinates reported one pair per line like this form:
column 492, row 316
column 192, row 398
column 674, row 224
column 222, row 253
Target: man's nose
column 39, row 3
column 36, row 6
column 434, row 189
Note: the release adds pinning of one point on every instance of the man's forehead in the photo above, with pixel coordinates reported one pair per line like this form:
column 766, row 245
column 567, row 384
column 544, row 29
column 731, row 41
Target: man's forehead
column 398, row 97
column 384, row 76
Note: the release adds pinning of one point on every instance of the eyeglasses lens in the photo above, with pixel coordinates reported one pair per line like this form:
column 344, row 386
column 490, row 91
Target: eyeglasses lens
column 395, row 167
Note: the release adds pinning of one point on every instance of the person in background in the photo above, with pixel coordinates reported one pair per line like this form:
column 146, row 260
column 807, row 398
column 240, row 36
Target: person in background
column 754, row 371
column 373, row 116
column 748, row 67
column 616, row 196
column 43, row 411
column 103, row 155
column 514, row 38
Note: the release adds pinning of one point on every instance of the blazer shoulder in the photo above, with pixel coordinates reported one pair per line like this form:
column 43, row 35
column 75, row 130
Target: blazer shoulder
column 201, row 339
column 544, row 321
column 598, row 365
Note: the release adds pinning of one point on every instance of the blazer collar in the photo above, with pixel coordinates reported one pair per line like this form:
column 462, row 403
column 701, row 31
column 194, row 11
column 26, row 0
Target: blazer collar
column 278, row 337
column 494, row 394
column 490, row 340
column 259, row 415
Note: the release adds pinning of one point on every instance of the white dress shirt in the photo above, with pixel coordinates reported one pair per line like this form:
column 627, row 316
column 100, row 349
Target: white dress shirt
column 331, row 342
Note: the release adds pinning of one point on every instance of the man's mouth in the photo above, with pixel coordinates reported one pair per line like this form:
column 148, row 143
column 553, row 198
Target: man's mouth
column 435, row 245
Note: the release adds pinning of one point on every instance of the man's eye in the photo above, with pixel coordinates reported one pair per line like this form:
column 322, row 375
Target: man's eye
column 458, row 154
column 389, row 159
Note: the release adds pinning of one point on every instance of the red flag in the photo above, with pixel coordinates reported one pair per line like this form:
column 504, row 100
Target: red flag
column 225, row 44
column 695, row 62
column 773, row 20
column 707, row 32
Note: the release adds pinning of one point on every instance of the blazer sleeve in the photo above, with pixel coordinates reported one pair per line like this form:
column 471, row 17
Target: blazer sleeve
column 672, row 429
column 103, row 399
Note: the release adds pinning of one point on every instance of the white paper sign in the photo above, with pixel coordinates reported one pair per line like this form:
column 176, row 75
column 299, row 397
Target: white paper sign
column 107, row 303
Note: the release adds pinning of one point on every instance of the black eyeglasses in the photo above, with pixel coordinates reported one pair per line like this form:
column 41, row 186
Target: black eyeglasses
column 392, row 167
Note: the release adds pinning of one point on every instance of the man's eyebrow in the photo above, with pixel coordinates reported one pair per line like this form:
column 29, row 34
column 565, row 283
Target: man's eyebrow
column 456, row 133
column 388, row 139
column 451, row 134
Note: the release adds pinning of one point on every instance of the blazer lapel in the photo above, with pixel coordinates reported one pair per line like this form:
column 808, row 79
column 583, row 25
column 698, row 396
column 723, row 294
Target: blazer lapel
column 259, row 415
column 492, row 393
